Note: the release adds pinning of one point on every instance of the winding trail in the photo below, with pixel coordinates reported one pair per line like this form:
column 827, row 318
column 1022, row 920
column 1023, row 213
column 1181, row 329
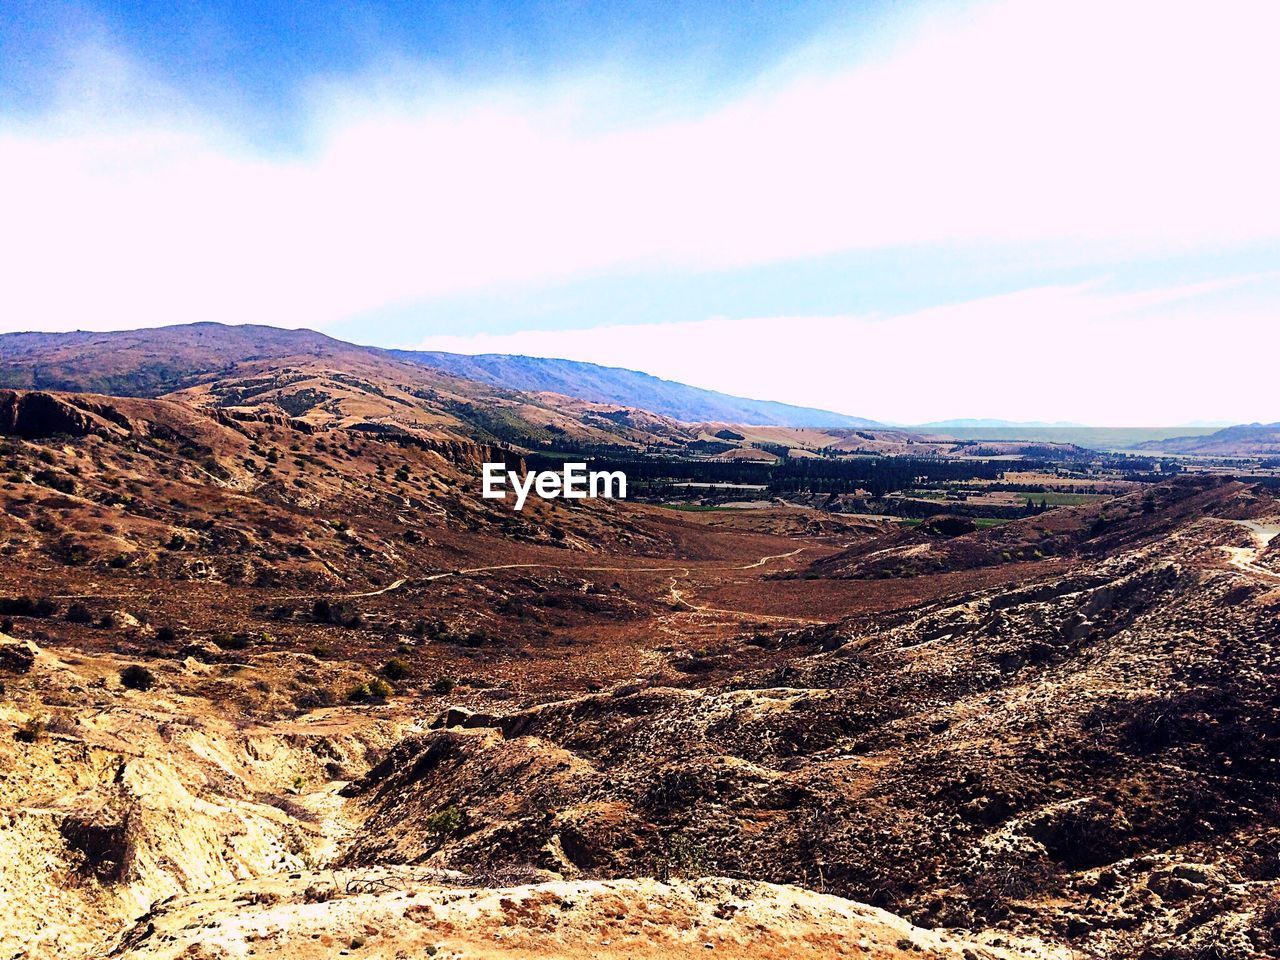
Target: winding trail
column 677, row 595
column 683, row 571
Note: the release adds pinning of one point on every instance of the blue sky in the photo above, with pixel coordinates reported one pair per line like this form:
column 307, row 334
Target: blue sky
column 910, row 211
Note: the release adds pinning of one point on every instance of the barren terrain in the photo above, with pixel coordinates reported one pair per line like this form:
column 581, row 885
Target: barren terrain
column 276, row 681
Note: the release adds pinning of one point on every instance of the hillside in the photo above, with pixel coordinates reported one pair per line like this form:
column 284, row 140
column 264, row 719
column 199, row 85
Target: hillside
column 631, row 388
column 327, row 382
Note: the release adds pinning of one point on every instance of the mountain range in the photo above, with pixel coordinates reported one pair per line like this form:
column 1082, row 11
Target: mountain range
column 600, row 384
column 528, row 401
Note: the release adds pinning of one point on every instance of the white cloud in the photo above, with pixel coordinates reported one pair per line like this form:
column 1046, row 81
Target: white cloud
column 1152, row 357
column 1134, row 126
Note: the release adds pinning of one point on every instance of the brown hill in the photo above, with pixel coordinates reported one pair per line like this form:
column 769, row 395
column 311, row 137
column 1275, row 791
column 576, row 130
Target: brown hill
column 325, row 380
column 322, row 381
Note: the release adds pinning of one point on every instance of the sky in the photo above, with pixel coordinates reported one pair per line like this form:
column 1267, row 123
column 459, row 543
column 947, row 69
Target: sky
column 1030, row 209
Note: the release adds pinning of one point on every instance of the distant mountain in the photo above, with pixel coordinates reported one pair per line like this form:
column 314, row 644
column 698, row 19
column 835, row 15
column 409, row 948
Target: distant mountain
column 966, row 424
column 1094, row 438
column 599, row 384
column 1242, row 440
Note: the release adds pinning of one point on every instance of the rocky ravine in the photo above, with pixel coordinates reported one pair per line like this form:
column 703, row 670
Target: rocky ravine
column 143, row 824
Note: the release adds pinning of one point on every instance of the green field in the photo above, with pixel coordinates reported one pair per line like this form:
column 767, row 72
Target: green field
column 1051, row 498
column 1095, row 438
column 1066, row 499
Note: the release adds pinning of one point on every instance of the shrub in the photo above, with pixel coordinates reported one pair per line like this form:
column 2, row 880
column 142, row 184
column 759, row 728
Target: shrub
column 374, row 689
column 339, row 614
column 137, row 677
column 31, row 731
column 444, row 685
column 678, row 855
column 395, row 669
column 79, row 613
column 314, row 699
column 54, row 481
column 443, row 822
column 166, row 635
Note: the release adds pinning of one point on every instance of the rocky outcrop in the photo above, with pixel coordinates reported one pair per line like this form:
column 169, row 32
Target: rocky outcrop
column 35, row 415
column 231, row 416
column 463, row 453
column 16, row 657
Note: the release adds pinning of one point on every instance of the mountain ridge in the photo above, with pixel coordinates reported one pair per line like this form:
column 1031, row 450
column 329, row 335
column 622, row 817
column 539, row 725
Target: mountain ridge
column 604, row 384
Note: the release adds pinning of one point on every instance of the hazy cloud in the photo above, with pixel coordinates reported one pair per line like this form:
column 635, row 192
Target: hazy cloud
column 1130, row 127
column 1083, row 353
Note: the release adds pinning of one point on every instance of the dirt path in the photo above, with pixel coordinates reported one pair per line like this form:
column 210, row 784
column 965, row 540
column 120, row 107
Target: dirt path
column 569, row 569
column 387, row 589
column 1245, row 558
column 698, row 608
column 777, row 556
column 676, row 594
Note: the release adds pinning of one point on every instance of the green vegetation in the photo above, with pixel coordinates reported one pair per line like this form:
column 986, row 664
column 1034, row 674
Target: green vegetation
column 679, row 855
column 374, row 689
column 443, row 822
column 1069, row 499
